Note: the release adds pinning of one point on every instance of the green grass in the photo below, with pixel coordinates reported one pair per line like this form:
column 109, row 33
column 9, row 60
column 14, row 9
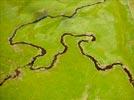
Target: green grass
column 74, row 77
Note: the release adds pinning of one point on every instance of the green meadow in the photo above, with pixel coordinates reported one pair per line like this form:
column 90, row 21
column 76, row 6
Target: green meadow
column 74, row 76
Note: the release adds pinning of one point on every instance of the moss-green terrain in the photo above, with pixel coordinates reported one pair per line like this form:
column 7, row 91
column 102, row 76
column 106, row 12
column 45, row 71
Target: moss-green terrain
column 73, row 76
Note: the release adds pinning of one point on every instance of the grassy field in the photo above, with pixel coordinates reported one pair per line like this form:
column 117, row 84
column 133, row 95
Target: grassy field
column 74, row 76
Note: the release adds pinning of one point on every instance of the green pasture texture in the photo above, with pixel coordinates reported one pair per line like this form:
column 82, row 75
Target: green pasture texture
column 74, row 77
